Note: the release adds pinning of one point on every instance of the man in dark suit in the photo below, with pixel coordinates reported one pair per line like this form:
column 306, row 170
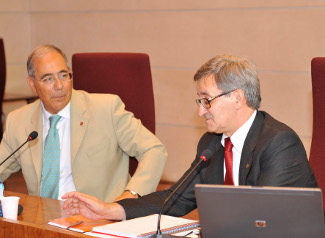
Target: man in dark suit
column 263, row 151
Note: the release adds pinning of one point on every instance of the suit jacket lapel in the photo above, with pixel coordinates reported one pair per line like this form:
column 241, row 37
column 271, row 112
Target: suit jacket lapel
column 36, row 146
column 215, row 173
column 79, row 123
column 248, row 148
column 219, row 163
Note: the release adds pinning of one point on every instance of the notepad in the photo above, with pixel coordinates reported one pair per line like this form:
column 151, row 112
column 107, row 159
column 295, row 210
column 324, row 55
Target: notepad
column 146, row 226
column 86, row 225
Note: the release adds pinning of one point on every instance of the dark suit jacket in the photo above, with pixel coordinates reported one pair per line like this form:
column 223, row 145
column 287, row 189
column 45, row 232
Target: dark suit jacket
column 273, row 155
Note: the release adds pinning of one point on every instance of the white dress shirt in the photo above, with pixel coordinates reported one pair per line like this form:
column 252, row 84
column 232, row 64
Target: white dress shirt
column 66, row 183
column 238, row 139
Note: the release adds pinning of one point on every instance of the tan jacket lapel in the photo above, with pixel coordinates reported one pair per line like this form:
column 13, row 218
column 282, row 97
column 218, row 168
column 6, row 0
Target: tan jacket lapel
column 79, row 123
column 36, row 146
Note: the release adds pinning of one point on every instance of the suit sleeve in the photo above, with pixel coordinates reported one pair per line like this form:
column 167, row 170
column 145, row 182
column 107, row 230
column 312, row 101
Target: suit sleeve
column 137, row 141
column 11, row 165
column 181, row 203
column 283, row 162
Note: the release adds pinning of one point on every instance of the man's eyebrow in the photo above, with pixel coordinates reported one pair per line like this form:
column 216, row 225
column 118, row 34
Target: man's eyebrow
column 49, row 74
column 203, row 94
column 45, row 75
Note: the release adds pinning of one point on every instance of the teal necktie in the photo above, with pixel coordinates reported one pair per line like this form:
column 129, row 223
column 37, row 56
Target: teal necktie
column 51, row 162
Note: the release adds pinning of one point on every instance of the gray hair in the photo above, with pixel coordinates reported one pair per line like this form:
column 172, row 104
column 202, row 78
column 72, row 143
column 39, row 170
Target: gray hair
column 41, row 51
column 230, row 73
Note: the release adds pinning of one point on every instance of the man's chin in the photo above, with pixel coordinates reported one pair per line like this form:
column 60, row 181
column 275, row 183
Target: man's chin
column 60, row 101
column 214, row 129
column 211, row 130
column 59, row 106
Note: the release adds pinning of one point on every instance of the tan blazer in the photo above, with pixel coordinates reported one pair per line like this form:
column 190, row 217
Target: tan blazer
column 103, row 135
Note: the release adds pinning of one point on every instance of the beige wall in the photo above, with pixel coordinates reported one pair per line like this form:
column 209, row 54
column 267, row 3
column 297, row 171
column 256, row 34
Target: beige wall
column 281, row 36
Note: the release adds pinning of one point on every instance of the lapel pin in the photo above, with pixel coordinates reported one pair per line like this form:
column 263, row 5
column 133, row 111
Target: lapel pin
column 247, row 165
column 81, row 123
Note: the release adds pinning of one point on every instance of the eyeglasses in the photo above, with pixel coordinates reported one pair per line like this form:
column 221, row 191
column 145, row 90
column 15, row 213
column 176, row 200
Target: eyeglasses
column 206, row 102
column 50, row 78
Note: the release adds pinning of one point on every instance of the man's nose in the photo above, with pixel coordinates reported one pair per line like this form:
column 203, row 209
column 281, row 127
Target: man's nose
column 58, row 83
column 202, row 110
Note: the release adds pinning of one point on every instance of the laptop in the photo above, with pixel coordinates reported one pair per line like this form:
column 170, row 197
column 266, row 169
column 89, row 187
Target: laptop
column 267, row 212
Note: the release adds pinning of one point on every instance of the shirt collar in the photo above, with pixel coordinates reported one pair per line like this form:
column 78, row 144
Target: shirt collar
column 238, row 138
column 65, row 112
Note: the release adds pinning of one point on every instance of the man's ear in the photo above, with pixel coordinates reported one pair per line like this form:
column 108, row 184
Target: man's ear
column 239, row 97
column 31, row 83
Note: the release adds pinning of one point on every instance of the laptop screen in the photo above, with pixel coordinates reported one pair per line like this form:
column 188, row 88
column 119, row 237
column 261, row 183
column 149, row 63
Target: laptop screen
column 268, row 212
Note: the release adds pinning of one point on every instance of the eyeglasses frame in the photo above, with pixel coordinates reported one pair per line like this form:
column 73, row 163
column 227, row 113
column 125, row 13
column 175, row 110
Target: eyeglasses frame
column 42, row 80
column 209, row 100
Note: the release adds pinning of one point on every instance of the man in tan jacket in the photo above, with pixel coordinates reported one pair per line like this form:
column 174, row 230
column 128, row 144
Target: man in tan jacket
column 97, row 136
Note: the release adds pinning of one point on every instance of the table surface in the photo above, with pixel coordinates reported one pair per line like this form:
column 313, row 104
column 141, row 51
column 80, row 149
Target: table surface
column 32, row 222
column 37, row 212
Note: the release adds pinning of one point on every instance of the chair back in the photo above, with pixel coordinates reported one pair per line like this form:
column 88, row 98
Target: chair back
column 317, row 150
column 126, row 74
column 2, row 80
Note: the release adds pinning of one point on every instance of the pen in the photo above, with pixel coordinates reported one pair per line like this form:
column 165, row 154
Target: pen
column 75, row 224
column 191, row 232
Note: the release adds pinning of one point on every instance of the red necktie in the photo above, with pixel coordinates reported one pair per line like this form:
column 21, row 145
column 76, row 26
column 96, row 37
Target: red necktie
column 228, row 161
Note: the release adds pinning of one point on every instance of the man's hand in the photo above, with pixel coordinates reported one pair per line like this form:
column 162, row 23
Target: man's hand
column 91, row 207
column 126, row 194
